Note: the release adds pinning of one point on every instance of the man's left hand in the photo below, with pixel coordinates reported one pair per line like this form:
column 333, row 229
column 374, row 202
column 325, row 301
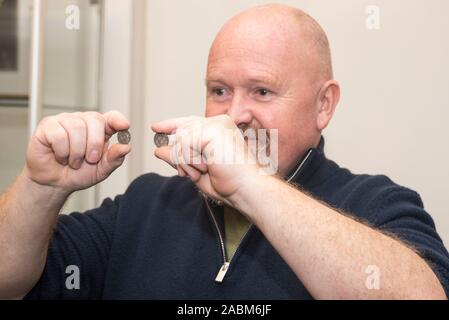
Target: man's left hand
column 211, row 151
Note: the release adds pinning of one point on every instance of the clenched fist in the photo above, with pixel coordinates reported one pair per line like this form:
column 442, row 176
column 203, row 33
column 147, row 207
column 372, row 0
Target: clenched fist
column 211, row 151
column 70, row 151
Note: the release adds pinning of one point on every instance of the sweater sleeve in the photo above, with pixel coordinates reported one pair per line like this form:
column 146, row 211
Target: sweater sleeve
column 400, row 211
column 80, row 242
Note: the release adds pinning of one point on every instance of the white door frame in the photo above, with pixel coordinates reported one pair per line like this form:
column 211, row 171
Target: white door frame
column 36, row 65
column 122, row 80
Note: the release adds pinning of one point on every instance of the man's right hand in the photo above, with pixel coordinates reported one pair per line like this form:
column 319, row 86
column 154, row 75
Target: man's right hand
column 70, row 151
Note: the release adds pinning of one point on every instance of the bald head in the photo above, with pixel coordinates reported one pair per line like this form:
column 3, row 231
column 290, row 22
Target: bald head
column 289, row 33
column 270, row 67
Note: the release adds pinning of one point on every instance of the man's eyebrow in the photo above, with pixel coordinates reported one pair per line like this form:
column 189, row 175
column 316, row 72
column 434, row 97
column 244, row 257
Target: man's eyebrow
column 264, row 80
column 208, row 80
column 252, row 80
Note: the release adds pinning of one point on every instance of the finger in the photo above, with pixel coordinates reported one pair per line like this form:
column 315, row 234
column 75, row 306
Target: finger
column 76, row 131
column 115, row 121
column 169, row 126
column 117, row 151
column 95, row 124
column 181, row 172
column 193, row 157
column 112, row 158
column 201, row 167
column 58, row 140
column 191, row 147
column 194, row 174
column 164, row 153
column 183, row 151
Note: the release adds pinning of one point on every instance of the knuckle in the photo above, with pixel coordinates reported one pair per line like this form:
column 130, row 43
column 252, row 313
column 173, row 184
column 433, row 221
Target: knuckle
column 100, row 119
column 64, row 115
column 95, row 145
column 95, row 121
column 94, row 115
column 59, row 137
column 77, row 154
column 45, row 120
column 77, row 124
column 114, row 113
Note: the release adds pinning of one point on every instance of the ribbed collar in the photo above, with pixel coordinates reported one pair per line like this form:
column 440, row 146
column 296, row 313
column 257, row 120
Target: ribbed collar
column 308, row 164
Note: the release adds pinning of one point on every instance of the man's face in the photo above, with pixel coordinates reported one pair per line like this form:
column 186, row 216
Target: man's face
column 264, row 84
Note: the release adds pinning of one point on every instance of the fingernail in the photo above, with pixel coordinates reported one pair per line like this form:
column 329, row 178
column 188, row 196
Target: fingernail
column 77, row 163
column 94, row 156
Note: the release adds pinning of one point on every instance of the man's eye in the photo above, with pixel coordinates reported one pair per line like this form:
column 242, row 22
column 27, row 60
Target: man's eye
column 219, row 91
column 263, row 92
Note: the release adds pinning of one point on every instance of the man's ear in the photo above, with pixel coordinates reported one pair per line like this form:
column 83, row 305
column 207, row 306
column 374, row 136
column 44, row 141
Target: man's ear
column 328, row 98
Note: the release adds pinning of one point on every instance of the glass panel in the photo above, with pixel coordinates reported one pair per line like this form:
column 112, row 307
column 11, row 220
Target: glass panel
column 71, row 67
column 71, row 54
column 71, row 60
column 15, row 17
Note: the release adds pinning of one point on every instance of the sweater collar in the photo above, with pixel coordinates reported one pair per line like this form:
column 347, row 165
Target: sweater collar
column 307, row 165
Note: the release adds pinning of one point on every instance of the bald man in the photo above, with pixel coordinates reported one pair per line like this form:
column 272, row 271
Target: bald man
column 222, row 229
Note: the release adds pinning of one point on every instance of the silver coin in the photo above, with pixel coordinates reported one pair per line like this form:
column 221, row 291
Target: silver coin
column 161, row 139
column 124, row 137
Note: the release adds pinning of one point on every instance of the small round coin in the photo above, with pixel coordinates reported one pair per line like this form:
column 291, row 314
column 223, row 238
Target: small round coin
column 161, row 139
column 124, row 137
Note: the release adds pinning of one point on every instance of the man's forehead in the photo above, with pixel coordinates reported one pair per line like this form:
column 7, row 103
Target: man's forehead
column 260, row 45
column 247, row 70
column 285, row 37
column 267, row 57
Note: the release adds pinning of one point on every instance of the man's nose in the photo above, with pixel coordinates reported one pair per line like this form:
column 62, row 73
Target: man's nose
column 239, row 110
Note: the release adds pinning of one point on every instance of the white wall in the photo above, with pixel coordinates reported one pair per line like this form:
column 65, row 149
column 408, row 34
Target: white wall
column 392, row 116
column 391, row 119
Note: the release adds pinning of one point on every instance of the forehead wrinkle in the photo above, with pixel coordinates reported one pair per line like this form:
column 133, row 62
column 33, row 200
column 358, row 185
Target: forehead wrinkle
column 225, row 73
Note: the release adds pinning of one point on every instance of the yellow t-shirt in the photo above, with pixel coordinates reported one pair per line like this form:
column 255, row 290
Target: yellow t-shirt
column 236, row 226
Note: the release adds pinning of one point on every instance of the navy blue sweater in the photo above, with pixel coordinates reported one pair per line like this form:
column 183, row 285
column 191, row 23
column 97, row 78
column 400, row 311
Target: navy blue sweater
column 159, row 241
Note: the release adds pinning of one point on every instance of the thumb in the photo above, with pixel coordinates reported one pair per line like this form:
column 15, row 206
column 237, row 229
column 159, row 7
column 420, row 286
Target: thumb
column 113, row 158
